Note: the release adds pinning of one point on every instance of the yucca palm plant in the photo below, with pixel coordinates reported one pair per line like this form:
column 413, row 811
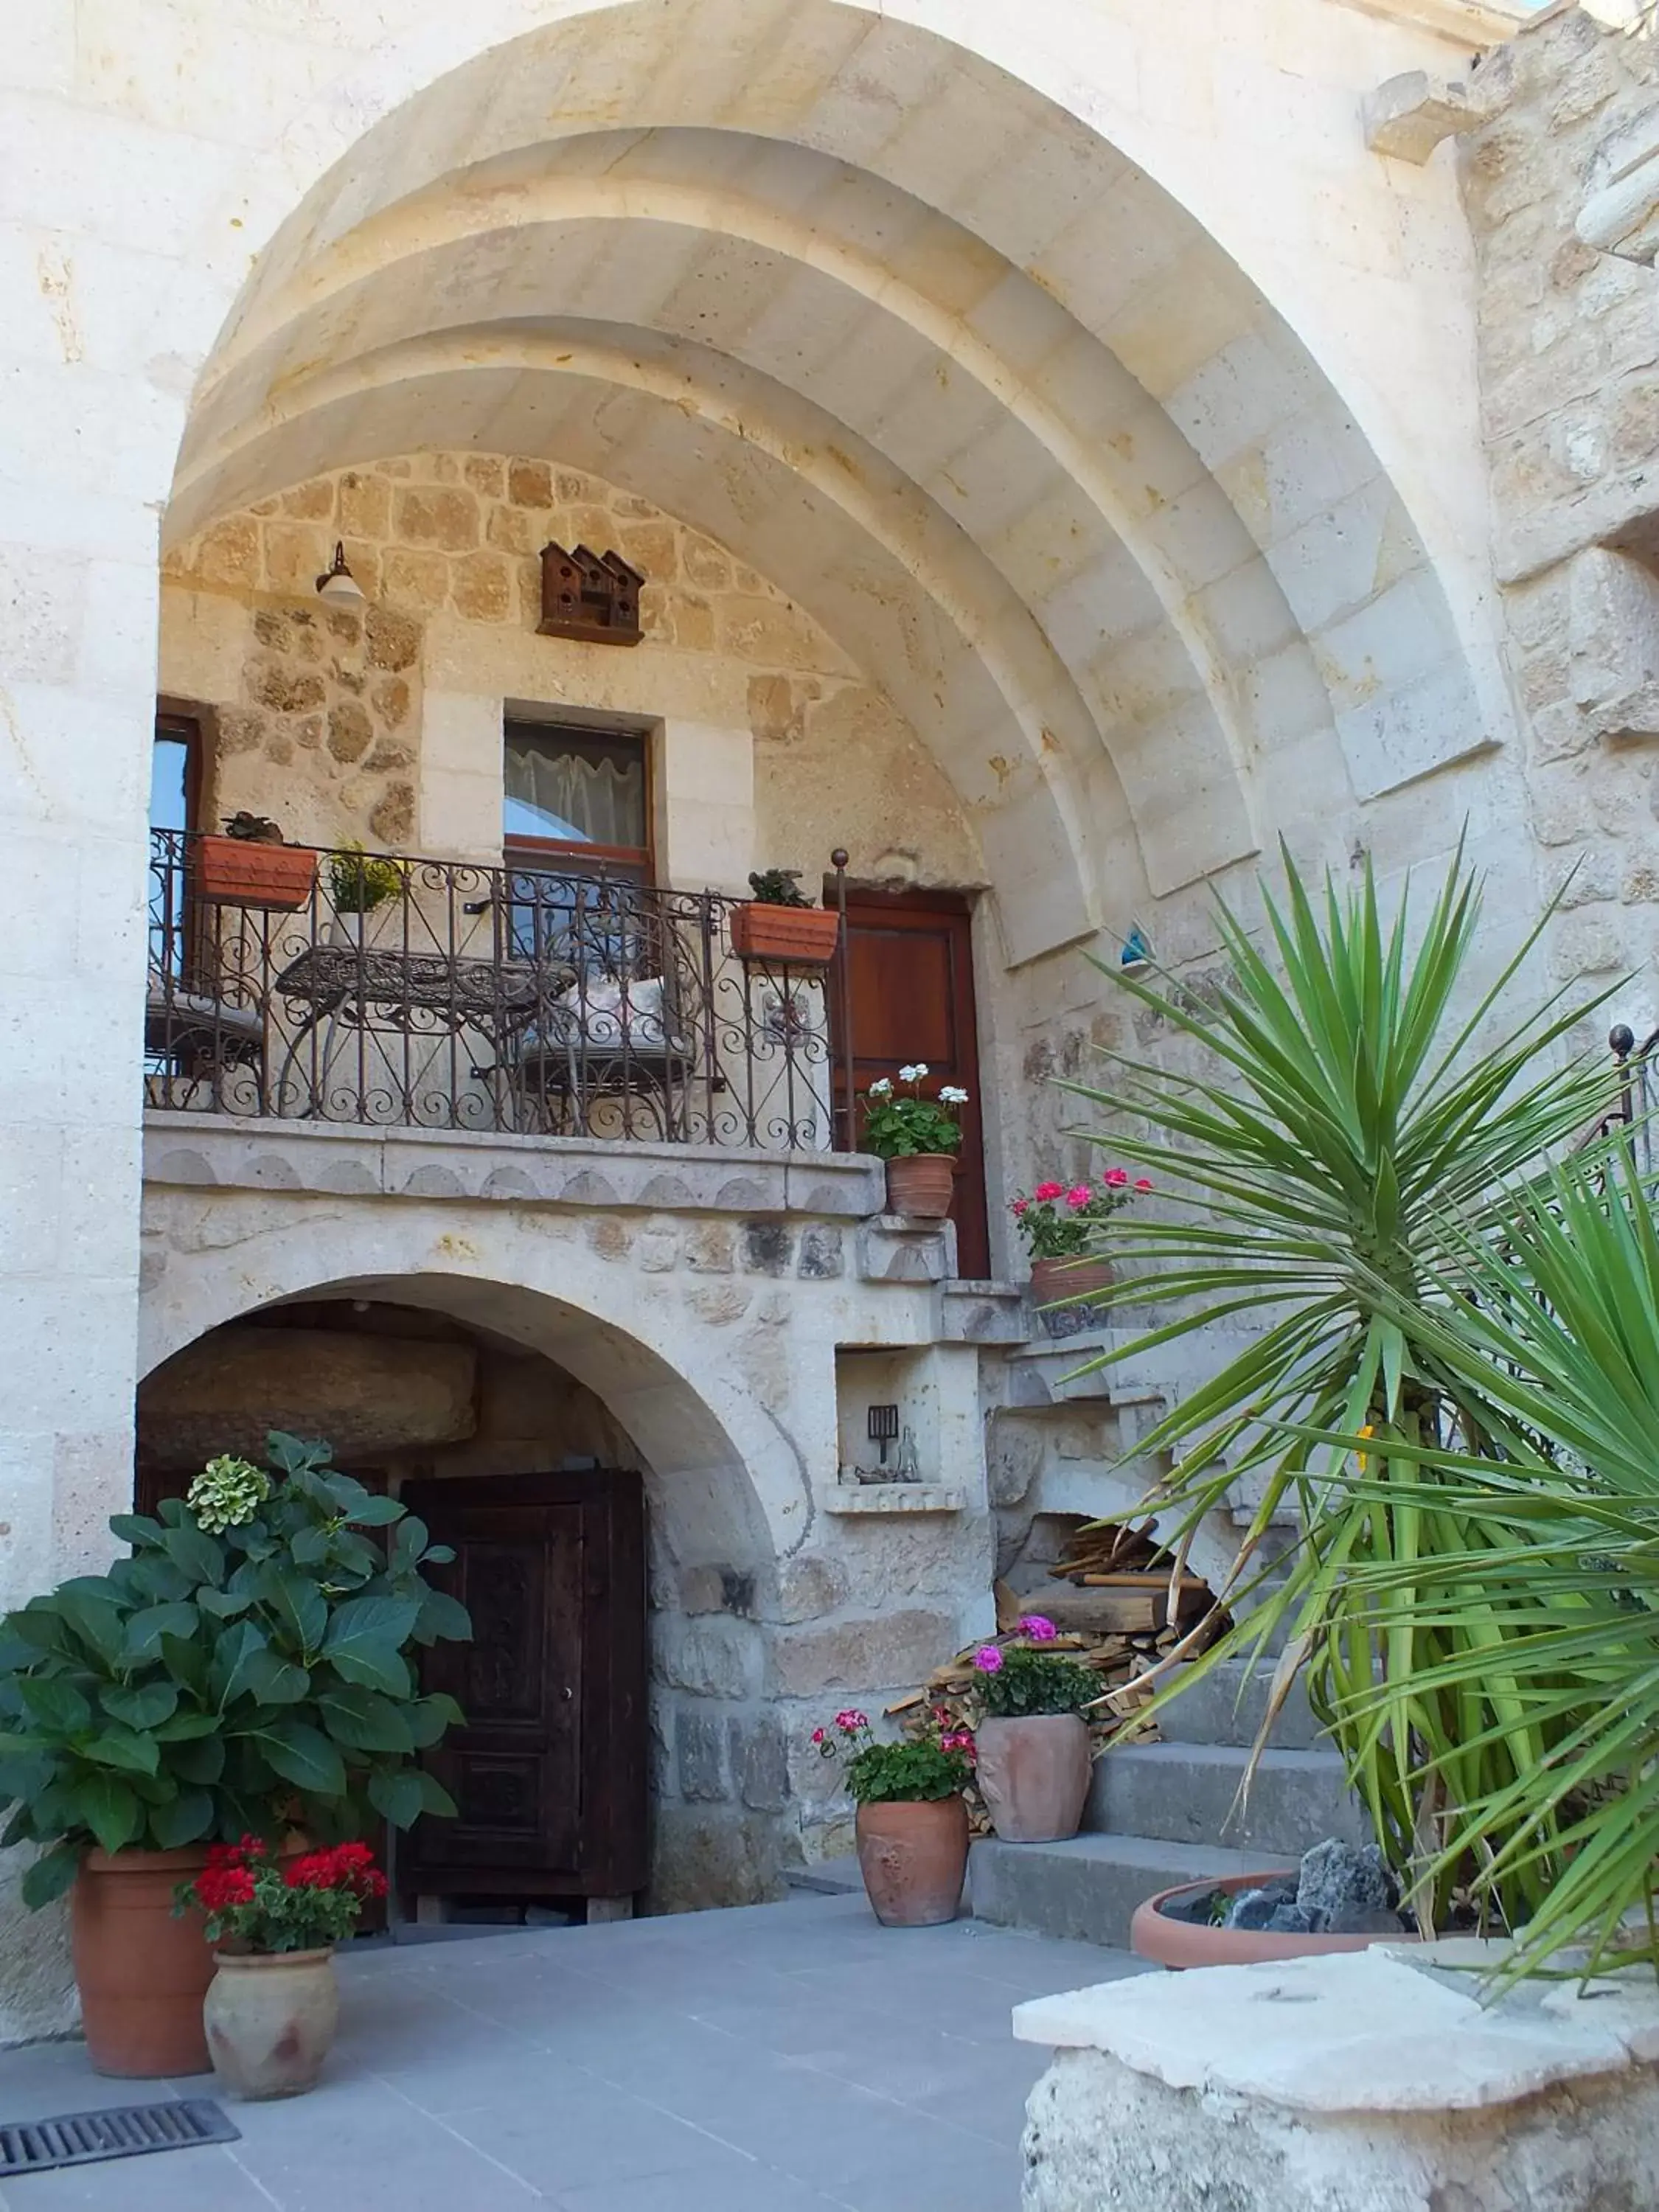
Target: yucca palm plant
column 1354, row 1092
column 1558, row 1326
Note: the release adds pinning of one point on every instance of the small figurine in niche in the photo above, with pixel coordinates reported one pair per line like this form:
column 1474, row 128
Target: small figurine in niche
column 908, row 1468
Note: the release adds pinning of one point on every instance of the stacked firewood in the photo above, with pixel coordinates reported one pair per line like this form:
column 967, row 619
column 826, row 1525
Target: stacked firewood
column 1112, row 1610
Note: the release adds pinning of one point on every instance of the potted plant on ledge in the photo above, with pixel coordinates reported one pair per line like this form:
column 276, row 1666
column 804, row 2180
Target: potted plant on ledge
column 273, row 2004
column 246, row 1671
column 912, row 1825
column 918, row 1138
column 358, row 882
column 780, row 925
column 1058, row 1226
column 1032, row 1746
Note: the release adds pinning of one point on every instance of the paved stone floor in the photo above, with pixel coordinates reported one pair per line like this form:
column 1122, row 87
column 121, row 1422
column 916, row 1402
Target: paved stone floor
column 790, row 2057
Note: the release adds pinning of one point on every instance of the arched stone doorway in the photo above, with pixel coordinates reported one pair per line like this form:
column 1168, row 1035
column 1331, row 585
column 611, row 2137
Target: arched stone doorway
column 591, row 1773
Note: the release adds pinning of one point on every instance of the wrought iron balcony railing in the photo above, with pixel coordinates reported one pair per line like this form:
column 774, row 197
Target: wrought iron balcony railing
column 474, row 998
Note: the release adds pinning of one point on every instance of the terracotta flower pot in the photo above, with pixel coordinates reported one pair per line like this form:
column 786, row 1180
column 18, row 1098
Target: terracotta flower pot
column 270, row 2021
column 914, row 1859
column 1033, row 1773
column 1053, row 1280
column 240, row 872
column 140, row 1972
column 792, row 936
column 922, row 1185
column 1157, row 1935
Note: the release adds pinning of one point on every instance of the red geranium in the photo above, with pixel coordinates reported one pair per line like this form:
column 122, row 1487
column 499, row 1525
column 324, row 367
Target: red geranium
column 258, row 1904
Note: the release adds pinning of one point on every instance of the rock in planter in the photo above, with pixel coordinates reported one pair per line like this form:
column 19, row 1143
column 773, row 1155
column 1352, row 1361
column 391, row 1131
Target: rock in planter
column 1348, row 1890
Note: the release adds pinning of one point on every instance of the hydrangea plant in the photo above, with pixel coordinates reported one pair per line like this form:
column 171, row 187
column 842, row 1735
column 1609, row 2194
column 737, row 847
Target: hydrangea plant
column 246, row 1667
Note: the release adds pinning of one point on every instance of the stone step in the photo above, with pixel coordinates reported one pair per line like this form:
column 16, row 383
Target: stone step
column 1087, row 1890
column 1188, row 1793
column 1228, row 1706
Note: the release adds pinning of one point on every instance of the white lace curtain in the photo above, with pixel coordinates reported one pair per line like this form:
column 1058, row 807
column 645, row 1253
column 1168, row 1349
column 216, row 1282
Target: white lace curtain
column 565, row 794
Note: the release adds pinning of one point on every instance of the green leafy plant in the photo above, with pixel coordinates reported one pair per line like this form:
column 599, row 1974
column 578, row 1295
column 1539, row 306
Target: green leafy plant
column 1558, row 1324
column 1341, row 1108
column 358, row 881
column 230, row 1678
column 250, row 1901
column 778, row 887
column 1018, row 1680
column 896, row 1126
column 915, row 1770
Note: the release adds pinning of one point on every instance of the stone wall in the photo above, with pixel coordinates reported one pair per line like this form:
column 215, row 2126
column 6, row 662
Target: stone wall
column 1569, row 357
column 318, row 711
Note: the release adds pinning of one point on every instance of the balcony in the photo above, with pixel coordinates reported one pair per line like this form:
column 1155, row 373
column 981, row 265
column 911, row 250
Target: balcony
column 438, row 995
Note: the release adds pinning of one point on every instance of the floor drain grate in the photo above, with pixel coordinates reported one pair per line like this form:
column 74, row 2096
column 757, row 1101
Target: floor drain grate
column 119, row 2132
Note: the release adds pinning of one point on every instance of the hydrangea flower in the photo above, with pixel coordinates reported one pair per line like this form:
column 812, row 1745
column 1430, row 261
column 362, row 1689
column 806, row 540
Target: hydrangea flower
column 226, row 1494
column 989, row 1659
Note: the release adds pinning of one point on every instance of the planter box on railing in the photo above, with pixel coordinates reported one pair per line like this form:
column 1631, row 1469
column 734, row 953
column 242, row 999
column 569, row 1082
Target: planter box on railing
column 239, row 871
column 789, row 936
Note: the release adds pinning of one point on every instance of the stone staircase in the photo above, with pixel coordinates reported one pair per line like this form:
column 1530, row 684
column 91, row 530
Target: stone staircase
column 1165, row 1812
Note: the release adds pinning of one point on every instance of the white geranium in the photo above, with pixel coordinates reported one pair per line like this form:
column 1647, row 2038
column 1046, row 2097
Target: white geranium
column 952, row 1094
column 882, row 1087
column 914, row 1074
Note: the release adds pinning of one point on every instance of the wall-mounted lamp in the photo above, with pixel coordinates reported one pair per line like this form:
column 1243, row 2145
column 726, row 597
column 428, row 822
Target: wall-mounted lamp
column 337, row 581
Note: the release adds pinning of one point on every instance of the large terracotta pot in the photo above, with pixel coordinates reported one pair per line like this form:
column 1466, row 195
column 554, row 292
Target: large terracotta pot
column 922, row 1185
column 140, row 1972
column 1156, row 1934
column 914, row 1859
column 1033, row 1774
column 240, row 872
column 791, row 936
column 1053, row 1280
column 270, row 2021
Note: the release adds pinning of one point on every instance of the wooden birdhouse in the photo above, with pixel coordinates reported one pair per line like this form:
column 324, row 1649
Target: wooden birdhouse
column 591, row 596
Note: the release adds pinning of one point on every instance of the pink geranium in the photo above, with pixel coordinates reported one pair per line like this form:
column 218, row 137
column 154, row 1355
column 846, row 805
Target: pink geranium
column 1116, row 1178
column 1038, row 1627
column 1018, row 1208
column 989, row 1659
column 850, row 1721
column 1143, row 1183
column 1081, row 1194
column 1045, row 1191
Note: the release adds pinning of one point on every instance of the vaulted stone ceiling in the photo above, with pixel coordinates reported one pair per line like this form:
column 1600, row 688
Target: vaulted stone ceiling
column 932, row 354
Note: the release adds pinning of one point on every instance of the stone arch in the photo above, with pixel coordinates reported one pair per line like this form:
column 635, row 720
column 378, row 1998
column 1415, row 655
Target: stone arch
column 728, row 1489
column 1243, row 628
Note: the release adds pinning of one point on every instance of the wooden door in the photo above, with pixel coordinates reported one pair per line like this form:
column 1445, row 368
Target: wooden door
column 910, row 983
column 550, row 1770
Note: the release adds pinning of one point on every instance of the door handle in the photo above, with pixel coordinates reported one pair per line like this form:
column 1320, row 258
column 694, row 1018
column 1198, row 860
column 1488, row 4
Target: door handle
column 566, row 1693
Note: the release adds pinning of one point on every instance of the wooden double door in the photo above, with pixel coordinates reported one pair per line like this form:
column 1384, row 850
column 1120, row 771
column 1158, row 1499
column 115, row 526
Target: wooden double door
column 910, row 983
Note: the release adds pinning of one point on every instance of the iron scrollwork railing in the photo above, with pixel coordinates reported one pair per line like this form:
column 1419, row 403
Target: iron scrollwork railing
column 469, row 997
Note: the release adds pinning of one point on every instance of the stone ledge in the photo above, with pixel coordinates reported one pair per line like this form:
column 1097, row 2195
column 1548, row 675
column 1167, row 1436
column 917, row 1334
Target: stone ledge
column 335, row 1159
column 865, row 1498
column 1379, row 2032
column 1046, row 1371
column 983, row 1313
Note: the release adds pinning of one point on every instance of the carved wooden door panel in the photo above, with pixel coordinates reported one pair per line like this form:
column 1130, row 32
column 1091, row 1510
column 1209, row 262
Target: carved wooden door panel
column 549, row 1771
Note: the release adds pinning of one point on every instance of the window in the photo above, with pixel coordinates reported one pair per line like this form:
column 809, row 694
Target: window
column 576, row 839
column 173, row 776
column 578, row 800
